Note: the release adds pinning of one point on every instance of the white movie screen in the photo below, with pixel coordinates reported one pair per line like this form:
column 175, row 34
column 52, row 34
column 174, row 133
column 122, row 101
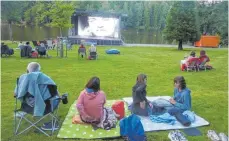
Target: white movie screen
column 98, row 26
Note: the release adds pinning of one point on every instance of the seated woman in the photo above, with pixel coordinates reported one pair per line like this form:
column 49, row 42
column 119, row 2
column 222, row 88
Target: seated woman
column 92, row 52
column 185, row 63
column 140, row 103
column 90, row 103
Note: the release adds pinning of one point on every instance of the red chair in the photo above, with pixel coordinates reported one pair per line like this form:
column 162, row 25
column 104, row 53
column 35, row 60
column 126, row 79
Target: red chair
column 192, row 64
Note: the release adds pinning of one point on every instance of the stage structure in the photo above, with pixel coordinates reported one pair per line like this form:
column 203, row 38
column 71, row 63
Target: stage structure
column 94, row 27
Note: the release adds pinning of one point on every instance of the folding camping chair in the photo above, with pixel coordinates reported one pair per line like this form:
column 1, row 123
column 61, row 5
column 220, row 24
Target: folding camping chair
column 192, row 65
column 49, row 44
column 93, row 55
column 82, row 52
column 27, row 111
column 202, row 65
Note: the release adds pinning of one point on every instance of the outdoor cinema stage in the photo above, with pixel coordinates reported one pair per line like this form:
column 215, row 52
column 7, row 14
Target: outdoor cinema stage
column 95, row 40
column 95, row 27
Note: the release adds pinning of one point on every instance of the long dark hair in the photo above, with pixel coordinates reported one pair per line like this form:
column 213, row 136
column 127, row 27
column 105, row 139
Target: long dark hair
column 93, row 83
column 181, row 81
column 141, row 78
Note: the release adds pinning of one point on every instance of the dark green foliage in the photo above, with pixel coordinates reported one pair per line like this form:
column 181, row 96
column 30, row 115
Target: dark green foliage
column 181, row 23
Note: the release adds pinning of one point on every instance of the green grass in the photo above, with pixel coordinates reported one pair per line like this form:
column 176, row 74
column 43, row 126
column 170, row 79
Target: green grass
column 118, row 74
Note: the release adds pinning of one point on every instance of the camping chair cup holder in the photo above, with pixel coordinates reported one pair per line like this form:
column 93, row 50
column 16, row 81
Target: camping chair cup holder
column 64, row 98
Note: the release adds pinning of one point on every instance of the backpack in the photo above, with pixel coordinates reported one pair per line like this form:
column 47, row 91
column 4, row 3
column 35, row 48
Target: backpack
column 119, row 109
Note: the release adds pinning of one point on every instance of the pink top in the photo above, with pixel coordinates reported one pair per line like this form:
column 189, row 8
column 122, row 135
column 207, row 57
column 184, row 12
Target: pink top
column 90, row 105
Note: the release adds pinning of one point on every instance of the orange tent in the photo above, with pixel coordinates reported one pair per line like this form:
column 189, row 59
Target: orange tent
column 208, row 41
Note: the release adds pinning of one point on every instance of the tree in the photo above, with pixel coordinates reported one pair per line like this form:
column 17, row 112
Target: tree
column 214, row 19
column 12, row 12
column 60, row 13
column 181, row 23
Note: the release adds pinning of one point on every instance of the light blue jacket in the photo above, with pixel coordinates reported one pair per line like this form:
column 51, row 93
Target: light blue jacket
column 183, row 99
column 36, row 84
column 164, row 118
column 167, row 118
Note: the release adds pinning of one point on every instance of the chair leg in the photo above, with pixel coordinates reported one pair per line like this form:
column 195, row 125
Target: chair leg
column 32, row 125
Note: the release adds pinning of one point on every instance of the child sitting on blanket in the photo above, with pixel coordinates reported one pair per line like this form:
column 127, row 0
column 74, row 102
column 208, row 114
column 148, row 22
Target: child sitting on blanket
column 179, row 103
column 140, row 103
column 90, row 103
column 181, row 99
column 182, row 96
column 90, row 106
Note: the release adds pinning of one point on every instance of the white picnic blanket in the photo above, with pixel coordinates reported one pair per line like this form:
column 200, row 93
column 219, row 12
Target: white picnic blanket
column 148, row 125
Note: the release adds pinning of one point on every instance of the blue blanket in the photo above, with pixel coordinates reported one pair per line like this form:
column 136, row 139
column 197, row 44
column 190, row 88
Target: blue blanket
column 36, row 84
column 167, row 118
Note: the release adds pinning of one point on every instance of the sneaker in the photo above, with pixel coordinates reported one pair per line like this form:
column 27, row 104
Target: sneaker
column 213, row 136
column 48, row 126
column 223, row 137
column 172, row 136
column 180, row 135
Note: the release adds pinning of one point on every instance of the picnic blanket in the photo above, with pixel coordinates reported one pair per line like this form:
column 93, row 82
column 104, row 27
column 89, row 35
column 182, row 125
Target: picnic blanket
column 148, row 125
column 85, row 131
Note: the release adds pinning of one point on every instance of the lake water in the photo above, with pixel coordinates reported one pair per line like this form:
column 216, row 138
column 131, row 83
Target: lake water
column 28, row 33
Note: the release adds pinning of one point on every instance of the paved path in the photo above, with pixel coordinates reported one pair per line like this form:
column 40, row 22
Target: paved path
column 165, row 45
column 156, row 45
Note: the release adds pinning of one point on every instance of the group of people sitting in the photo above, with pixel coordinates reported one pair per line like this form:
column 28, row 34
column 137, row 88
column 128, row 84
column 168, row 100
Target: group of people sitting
column 92, row 99
column 90, row 103
column 28, row 51
column 92, row 52
column 194, row 62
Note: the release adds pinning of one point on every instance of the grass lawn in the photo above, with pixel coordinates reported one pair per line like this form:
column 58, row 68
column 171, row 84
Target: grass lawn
column 118, row 75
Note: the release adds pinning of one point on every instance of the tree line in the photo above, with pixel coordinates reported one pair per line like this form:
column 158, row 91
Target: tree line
column 203, row 17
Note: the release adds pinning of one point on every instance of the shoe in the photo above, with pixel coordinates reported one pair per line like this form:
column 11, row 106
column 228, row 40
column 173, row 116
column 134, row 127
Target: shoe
column 180, row 135
column 48, row 126
column 213, row 136
column 172, row 136
column 223, row 137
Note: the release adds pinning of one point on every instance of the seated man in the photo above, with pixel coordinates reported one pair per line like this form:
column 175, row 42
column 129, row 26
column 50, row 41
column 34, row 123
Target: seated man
column 20, row 45
column 41, row 49
column 93, row 52
column 82, row 51
column 27, row 91
column 26, row 51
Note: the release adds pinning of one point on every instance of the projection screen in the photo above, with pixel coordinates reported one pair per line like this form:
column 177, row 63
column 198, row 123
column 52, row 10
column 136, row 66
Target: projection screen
column 98, row 26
